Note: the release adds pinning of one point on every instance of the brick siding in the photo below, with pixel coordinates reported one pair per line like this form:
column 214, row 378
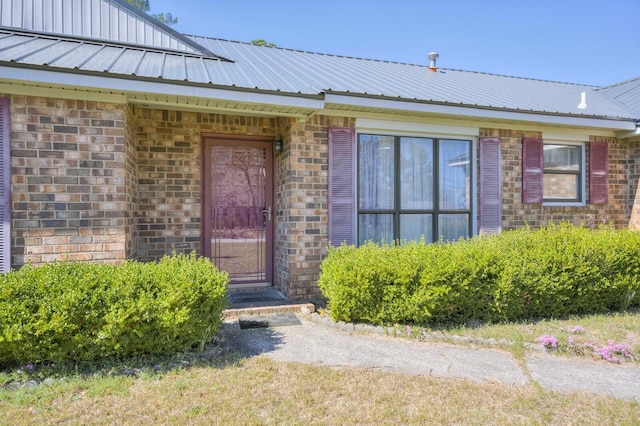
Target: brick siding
column 68, row 180
column 301, row 204
column 633, row 179
column 515, row 214
column 169, row 176
column 97, row 181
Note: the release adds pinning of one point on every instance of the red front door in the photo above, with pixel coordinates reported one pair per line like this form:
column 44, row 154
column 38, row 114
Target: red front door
column 238, row 208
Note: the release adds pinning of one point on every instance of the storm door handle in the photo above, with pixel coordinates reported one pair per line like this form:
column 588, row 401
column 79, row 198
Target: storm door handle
column 267, row 211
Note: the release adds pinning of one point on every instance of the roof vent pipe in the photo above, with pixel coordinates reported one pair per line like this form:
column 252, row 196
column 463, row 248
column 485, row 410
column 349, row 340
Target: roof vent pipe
column 583, row 101
column 432, row 61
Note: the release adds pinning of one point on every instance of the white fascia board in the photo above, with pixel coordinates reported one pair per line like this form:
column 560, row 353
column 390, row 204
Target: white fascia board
column 49, row 92
column 633, row 134
column 123, row 86
column 208, row 109
column 466, row 123
column 412, row 127
column 366, row 102
column 569, row 136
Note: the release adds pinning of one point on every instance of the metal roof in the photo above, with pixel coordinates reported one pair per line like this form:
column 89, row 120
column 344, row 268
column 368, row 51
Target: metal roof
column 272, row 68
column 626, row 92
column 54, row 52
column 113, row 20
column 291, row 72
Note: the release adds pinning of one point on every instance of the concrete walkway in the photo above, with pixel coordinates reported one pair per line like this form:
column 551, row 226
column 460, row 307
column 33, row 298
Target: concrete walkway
column 319, row 342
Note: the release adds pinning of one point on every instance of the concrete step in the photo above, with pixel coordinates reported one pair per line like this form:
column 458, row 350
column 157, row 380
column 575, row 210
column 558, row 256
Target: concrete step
column 262, row 301
column 234, row 312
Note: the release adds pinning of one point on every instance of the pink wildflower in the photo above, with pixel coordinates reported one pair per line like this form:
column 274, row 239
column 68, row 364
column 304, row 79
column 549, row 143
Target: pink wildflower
column 548, row 341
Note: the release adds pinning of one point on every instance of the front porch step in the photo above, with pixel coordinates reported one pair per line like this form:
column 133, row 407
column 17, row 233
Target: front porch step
column 232, row 313
column 262, row 301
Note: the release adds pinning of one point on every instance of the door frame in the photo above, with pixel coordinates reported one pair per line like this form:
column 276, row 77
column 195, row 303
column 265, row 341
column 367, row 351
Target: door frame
column 207, row 141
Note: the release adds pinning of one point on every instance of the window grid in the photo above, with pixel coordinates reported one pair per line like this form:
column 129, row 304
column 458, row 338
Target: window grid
column 437, row 214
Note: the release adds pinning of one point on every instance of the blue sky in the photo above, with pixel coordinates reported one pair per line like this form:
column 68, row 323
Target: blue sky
column 578, row 41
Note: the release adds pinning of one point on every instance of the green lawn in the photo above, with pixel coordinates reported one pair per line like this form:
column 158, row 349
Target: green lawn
column 221, row 387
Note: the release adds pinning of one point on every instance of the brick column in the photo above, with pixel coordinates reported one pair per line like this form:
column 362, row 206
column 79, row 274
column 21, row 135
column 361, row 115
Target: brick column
column 301, row 204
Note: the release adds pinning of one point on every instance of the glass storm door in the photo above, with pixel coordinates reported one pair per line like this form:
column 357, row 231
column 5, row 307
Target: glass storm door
column 239, row 212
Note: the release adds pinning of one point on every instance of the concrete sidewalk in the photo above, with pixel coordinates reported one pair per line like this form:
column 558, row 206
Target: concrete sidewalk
column 321, row 343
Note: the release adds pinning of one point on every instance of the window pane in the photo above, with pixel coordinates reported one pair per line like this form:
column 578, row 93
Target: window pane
column 416, row 173
column 452, row 227
column 376, row 158
column 414, row 226
column 376, row 227
column 562, row 157
column 559, row 186
column 455, row 175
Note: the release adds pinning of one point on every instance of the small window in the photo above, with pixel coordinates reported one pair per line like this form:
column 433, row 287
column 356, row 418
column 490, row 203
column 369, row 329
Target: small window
column 563, row 179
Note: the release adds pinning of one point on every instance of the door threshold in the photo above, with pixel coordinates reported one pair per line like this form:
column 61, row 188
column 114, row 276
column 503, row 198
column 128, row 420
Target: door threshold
column 247, row 286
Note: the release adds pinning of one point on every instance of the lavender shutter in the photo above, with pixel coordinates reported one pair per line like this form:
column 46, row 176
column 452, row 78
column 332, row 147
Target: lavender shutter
column 342, row 186
column 598, row 173
column 490, row 203
column 532, row 163
column 5, row 188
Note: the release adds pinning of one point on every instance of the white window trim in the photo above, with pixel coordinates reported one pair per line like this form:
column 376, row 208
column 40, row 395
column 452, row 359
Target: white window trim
column 583, row 180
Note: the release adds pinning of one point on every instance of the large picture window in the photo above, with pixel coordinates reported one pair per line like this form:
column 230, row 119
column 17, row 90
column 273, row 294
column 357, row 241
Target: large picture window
column 410, row 188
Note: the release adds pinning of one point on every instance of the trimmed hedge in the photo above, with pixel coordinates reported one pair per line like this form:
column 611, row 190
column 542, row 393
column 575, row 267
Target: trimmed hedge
column 521, row 274
column 83, row 311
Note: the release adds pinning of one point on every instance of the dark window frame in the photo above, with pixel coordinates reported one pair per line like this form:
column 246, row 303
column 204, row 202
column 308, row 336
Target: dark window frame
column 397, row 211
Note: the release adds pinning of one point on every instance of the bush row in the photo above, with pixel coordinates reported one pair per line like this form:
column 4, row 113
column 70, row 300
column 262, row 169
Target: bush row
column 521, row 274
column 83, row 311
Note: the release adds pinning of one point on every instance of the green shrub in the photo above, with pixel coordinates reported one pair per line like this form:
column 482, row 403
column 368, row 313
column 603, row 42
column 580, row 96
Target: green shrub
column 521, row 274
column 83, row 311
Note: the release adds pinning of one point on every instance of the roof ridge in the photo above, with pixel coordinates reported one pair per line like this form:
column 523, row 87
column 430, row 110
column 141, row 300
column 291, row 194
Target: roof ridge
column 619, row 83
column 162, row 26
column 390, row 62
column 248, row 43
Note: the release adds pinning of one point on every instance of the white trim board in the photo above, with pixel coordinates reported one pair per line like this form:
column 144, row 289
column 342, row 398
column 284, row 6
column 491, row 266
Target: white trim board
column 408, row 127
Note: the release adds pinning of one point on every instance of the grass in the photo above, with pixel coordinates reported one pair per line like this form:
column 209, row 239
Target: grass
column 261, row 391
column 583, row 332
column 223, row 387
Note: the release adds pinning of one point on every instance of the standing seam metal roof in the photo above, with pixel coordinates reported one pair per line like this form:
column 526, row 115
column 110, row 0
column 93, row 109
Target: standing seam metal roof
column 305, row 72
column 93, row 55
column 626, row 92
column 273, row 69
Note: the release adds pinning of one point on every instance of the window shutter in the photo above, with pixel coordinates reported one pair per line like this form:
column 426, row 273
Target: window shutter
column 490, row 207
column 5, row 188
column 532, row 158
column 342, row 186
column 598, row 173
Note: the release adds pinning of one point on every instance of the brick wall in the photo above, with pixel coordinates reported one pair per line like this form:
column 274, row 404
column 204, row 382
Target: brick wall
column 169, row 175
column 131, row 187
column 104, row 182
column 633, row 179
column 516, row 214
column 68, row 180
column 301, row 204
